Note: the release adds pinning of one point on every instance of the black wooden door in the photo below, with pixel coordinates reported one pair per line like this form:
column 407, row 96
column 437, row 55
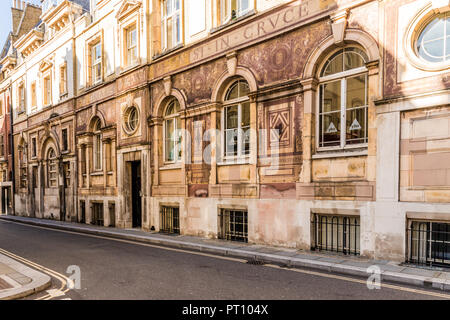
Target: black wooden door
column 136, row 193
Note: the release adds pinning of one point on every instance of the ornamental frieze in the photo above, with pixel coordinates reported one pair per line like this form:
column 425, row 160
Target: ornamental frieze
column 257, row 30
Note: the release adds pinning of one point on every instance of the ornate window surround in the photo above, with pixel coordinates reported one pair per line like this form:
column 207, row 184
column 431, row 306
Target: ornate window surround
column 128, row 17
column 415, row 27
column 125, row 120
column 176, row 118
column 339, row 76
column 239, row 102
column 90, row 43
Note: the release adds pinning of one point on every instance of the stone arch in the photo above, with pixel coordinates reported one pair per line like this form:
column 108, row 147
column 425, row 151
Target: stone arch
column 22, row 146
column 163, row 99
column 92, row 119
column 22, row 142
column 352, row 36
column 49, row 141
column 225, row 80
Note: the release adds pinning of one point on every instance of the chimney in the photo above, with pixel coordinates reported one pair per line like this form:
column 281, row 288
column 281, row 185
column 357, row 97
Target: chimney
column 16, row 13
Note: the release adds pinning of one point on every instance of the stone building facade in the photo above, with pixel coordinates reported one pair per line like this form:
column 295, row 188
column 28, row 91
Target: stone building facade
column 306, row 124
column 24, row 17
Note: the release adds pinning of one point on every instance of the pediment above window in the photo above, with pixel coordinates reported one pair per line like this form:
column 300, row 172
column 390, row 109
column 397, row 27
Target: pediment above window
column 45, row 65
column 28, row 43
column 127, row 8
column 8, row 63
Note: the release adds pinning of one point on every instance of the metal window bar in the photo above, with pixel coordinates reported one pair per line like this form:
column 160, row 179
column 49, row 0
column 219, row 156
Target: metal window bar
column 234, row 225
column 170, row 220
column 429, row 243
column 339, row 234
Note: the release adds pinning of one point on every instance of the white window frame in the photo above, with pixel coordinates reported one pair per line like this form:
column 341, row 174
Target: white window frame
column 63, row 80
column 47, row 90
column 95, row 63
column 173, row 15
column 21, row 97
column 445, row 60
column 34, row 102
column 225, row 17
column 130, row 47
column 240, row 143
column 177, row 146
column 343, row 76
column 98, row 148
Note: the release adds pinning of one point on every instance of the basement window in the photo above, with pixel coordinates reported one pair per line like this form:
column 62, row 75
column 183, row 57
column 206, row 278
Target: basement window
column 233, row 225
column 339, row 234
column 429, row 243
column 170, row 220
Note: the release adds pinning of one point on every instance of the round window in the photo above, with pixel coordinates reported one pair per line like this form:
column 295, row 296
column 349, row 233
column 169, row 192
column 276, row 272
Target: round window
column 131, row 119
column 433, row 43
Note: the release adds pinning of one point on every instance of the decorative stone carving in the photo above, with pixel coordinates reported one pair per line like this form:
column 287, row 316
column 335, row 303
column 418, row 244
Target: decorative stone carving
column 232, row 63
column 441, row 5
column 167, row 85
column 338, row 25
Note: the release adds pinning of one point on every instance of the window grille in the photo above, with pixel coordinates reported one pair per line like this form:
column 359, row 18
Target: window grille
column 336, row 233
column 233, row 225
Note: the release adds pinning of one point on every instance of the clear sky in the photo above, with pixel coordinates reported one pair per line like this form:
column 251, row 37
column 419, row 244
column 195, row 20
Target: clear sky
column 5, row 14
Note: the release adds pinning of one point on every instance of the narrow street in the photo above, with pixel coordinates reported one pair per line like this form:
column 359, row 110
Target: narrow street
column 117, row 269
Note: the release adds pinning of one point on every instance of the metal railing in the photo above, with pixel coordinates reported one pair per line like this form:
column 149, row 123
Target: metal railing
column 170, row 220
column 429, row 243
column 233, row 225
column 336, row 234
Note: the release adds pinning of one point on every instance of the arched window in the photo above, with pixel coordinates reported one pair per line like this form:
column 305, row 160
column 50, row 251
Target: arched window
column 342, row 116
column 236, row 120
column 172, row 132
column 433, row 43
column 22, row 149
column 96, row 128
column 52, row 174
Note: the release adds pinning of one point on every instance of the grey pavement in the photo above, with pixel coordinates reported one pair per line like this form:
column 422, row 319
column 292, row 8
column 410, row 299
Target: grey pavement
column 18, row 281
column 435, row 278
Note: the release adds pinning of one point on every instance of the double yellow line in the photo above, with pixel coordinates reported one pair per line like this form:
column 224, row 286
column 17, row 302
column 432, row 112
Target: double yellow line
column 66, row 283
column 364, row 282
column 64, row 280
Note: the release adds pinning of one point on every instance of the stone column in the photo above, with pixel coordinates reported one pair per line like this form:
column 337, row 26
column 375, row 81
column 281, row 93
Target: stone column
column 114, row 160
column 156, row 125
column 61, row 190
column 120, row 190
column 41, row 186
column 105, row 146
column 80, row 167
column 215, row 116
column 89, row 156
column 308, row 128
column 253, row 139
column 184, row 148
column 372, row 95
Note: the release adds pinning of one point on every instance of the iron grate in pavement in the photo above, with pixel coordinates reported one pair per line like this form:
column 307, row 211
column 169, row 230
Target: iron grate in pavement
column 4, row 285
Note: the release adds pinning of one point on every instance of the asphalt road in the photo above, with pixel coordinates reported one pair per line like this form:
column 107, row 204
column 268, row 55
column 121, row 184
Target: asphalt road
column 112, row 269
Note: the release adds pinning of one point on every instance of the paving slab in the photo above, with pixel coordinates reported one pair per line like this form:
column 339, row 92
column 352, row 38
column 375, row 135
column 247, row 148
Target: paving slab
column 421, row 272
column 23, row 280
